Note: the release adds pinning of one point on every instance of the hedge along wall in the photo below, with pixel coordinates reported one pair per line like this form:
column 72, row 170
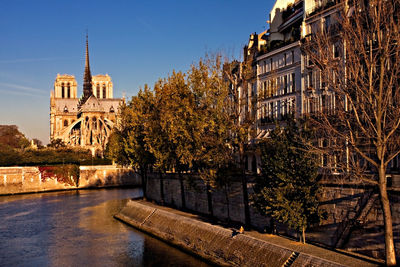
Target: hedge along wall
column 354, row 222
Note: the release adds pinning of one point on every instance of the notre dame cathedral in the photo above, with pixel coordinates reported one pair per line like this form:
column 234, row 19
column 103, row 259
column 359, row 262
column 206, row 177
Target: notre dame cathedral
column 86, row 121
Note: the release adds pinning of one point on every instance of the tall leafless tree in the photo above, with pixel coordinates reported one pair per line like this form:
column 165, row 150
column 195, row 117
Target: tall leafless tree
column 358, row 61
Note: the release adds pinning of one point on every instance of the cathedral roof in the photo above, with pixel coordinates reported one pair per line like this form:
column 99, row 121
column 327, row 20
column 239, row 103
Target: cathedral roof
column 92, row 104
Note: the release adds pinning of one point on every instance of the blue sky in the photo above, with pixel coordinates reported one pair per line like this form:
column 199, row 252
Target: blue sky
column 135, row 42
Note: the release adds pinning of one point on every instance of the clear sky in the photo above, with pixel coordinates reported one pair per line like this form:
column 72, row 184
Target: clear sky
column 135, row 42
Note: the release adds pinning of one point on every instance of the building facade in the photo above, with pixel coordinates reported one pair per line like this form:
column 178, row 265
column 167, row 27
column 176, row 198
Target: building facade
column 87, row 121
column 275, row 90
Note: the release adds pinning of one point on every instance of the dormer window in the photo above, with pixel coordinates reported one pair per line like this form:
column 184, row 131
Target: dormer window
column 65, row 109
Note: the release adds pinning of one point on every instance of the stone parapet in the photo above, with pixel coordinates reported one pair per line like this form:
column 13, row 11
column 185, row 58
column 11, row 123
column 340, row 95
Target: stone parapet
column 17, row 180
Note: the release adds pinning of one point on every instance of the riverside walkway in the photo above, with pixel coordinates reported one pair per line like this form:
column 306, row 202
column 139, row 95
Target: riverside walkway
column 222, row 246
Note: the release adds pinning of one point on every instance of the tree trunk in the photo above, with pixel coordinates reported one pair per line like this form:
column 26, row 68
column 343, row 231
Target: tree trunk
column 304, row 234
column 162, row 188
column 227, row 202
column 182, row 190
column 209, row 200
column 144, row 182
column 245, row 200
column 387, row 218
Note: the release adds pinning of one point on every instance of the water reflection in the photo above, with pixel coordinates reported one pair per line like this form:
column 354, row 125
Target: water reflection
column 77, row 229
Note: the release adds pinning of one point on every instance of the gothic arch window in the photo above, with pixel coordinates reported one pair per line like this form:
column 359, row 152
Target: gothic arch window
column 69, row 90
column 112, row 109
column 62, row 90
column 98, row 91
column 104, row 91
column 65, row 123
column 65, row 109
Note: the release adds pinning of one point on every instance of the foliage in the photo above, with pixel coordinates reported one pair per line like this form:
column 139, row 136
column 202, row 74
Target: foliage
column 47, row 156
column 15, row 151
column 213, row 123
column 12, row 137
column 68, row 173
column 181, row 125
column 56, row 143
column 38, row 143
column 115, row 148
column 288, row 188
column 9, row 156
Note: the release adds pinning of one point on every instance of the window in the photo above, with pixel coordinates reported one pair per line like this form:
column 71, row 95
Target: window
column 270, row 68
column 315, row 27
column 98, row 91
column 292, row 57
column 284, row 59
column 265, row 111
column 112, row 109
column 285, row 85
column 65, row 108
column 292, row 106
column 254, row 164
column 68, row 90
column 94, row 120
column 265, row 89
column 309, row 61
column 104, row 91
column 278, row 109
column 271, row 110
column 293, row 83
column 65, row 123
column 336, row 50
column 327, row 22
column 283, row 108
column 310, row 79
column 62, row 90
column 317, row 77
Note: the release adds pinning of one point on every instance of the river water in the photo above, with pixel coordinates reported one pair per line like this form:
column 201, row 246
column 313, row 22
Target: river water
column 77, row 228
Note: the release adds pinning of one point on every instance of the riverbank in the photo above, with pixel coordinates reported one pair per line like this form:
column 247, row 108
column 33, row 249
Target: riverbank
column 26, row 180
column 225, row 246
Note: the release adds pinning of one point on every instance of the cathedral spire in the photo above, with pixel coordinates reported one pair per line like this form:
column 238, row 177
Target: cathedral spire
column 87, row 78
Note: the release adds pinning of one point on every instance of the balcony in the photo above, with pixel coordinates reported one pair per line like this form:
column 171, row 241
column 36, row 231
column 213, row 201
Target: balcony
column 321, row 5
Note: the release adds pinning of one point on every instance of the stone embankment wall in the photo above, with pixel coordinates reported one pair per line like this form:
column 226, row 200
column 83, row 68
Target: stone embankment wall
column 15, row 180
column 106, row 176
column 212, row 242
column 354, row 216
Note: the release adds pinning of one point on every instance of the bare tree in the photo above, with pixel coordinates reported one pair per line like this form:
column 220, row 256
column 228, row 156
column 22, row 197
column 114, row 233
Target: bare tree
column 357, row 59
column 242, row 109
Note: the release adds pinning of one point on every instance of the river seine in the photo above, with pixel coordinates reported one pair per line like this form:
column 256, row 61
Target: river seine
column 77, row 228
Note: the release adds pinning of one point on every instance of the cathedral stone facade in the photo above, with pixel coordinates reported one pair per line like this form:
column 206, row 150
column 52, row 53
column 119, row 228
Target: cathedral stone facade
column 87, row 121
